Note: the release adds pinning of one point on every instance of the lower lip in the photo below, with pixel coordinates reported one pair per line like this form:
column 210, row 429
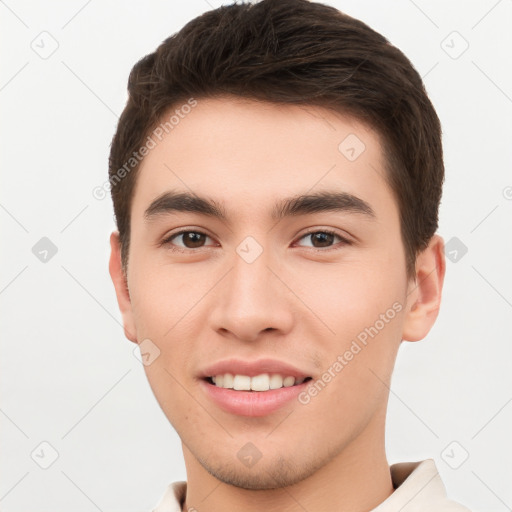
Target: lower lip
column 252, row 403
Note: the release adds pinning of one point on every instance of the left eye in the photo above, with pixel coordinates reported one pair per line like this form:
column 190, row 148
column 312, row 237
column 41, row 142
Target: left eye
column 324, row 238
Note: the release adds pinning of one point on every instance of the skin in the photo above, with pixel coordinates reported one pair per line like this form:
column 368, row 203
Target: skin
column 300, row 302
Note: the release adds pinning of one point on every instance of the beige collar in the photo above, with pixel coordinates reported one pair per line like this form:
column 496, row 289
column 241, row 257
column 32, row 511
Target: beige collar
column 418, row 488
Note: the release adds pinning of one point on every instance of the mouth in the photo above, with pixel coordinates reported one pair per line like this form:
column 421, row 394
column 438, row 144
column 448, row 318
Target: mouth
column 253, row 388
column 259, row 395
column 258, row 383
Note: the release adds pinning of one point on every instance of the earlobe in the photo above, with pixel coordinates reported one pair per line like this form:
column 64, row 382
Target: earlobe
column 119, row 280
column 424, row 294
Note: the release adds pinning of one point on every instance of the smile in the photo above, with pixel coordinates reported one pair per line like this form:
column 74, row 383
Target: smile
column 258, row 402
column 262, row 382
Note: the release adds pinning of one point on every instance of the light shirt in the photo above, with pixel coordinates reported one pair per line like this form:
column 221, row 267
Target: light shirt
column 418, row 488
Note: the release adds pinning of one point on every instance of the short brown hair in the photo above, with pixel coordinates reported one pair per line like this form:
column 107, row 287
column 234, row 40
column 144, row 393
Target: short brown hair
column 294, row 52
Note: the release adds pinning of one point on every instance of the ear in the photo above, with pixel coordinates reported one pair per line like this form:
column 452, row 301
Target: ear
column 424, row 292
column 121, row 286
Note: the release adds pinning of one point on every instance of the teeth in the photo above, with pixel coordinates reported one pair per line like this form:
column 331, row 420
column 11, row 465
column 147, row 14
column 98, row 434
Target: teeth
column 276, row 382
column 227, row 380
column 262, row 382
column 288, row 381
column 242, row 383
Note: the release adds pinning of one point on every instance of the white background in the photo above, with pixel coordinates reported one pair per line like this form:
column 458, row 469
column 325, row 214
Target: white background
column 68, row 376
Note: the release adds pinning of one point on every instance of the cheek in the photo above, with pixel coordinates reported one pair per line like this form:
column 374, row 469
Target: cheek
column 161, row 296
column 348, row 297
column 165, row 302
column 173, row 397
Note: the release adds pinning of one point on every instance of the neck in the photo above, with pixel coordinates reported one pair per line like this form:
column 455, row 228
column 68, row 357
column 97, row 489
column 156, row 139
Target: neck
column 355, row 480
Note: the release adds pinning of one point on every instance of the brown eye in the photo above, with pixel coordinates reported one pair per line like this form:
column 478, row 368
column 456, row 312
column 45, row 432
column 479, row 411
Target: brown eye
column 323, row 239
column 189, row 240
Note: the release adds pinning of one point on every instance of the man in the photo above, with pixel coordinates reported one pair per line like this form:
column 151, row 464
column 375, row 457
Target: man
column 276, row 176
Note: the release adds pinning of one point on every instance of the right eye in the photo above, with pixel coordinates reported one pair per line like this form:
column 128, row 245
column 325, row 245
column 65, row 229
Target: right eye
column 189, row 240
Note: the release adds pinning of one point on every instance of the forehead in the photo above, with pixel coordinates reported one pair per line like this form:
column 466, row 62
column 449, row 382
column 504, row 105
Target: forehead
column 247, row 154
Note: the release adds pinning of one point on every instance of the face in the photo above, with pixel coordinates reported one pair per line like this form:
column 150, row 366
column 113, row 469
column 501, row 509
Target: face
column 307, row 297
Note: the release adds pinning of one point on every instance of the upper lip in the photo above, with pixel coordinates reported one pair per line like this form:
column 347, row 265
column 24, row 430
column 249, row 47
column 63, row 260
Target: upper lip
column 252, row 368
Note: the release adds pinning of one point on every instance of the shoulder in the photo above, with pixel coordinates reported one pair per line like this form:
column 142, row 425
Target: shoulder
column 418, row 487
column 173, row 498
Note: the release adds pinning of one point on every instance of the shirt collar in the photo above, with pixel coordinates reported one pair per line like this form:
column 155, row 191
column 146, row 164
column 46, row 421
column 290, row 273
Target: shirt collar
column 418, row 487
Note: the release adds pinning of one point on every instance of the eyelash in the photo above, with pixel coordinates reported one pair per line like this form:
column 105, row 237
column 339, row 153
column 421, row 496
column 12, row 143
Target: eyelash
column 168, row 240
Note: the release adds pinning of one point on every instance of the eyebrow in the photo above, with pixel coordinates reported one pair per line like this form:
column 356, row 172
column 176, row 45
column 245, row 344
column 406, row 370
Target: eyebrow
column 302, row 204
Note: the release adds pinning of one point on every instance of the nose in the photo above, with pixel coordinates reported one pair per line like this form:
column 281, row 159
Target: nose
column 253, row 299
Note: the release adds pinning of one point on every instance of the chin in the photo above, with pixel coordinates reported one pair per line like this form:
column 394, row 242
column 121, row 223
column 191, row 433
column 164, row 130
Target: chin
column 264, row 475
